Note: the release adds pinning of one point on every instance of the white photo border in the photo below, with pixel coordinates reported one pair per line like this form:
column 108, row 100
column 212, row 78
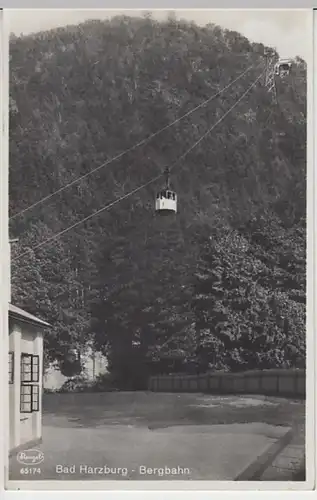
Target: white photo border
column 136, row 489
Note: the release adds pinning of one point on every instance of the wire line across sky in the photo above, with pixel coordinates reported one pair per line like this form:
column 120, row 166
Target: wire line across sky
column 130, row 193
column 132, row 148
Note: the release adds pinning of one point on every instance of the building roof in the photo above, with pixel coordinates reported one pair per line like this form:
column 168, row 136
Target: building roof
column 16, row 312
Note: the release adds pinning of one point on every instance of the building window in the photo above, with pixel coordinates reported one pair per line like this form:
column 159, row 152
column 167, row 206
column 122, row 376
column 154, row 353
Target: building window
column 26, row 398
column 30, row 376
column 35, row 369
column 29, row 398
column 35, row 398
column 30, row 368
column 11, row 367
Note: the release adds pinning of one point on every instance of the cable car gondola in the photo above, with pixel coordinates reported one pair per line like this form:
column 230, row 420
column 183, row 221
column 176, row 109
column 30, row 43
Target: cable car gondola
column 166, row 200
column 283, row 67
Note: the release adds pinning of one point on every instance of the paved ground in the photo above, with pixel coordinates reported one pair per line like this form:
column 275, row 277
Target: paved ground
column 148, row 435
column 289, row 465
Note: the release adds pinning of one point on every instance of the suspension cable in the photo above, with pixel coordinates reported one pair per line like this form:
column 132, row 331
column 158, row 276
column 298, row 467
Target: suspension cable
column 127, row 195
column 132, row 148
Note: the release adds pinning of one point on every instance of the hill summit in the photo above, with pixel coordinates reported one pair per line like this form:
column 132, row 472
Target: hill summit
column 221, row 283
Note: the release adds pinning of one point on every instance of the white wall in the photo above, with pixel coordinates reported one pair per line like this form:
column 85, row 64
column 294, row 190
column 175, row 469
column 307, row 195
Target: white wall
column 14, row 389
column 24, row 427
column 53, row 379
column 95, row 367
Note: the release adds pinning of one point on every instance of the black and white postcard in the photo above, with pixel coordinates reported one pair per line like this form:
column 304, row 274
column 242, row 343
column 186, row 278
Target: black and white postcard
column 158, row 167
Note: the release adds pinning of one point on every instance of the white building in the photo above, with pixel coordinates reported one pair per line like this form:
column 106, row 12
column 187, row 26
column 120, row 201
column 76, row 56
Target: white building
column 25, row 379
column 94, row 364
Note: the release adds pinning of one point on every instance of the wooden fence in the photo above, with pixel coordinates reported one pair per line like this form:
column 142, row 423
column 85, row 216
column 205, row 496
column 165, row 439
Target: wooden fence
column 277, row 382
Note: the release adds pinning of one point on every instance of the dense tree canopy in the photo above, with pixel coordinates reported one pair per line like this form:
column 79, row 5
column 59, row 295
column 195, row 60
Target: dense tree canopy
column 223, row 281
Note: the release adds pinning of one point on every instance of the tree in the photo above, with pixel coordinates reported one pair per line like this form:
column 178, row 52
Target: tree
column 247, row 317
column 81, row 95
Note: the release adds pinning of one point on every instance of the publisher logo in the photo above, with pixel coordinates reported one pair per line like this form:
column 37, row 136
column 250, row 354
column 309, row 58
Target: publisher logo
column 30, row 457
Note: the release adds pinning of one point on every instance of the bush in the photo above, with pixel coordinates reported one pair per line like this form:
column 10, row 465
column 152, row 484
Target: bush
column 76, row 384
column 70, row 368
column 49, row 391
column 104, row 382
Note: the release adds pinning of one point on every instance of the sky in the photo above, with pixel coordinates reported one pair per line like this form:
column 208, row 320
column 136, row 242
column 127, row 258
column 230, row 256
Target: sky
column 289, row 31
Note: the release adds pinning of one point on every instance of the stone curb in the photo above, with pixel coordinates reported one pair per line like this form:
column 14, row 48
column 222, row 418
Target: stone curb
column 255, row 470
column 288, row 465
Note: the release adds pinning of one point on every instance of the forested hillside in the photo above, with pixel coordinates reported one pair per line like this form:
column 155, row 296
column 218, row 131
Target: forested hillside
column 221, row 283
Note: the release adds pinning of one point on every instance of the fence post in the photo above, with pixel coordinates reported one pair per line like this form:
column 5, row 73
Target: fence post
column 205, row 383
